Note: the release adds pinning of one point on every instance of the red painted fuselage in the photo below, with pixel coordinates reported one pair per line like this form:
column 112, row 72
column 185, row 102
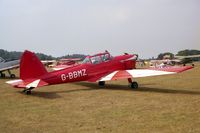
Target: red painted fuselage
column 89, row 71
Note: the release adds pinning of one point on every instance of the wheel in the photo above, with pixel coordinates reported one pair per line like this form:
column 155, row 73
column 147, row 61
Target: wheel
column 134, row 85
column 12, row 76
column 101, row 83
column 28, row 92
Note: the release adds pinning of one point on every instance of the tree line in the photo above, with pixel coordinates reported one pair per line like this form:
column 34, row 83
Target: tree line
column 15, row 55
column 185, row 52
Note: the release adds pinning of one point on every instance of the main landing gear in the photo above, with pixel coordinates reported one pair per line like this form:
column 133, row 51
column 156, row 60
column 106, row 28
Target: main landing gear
column 132, row 84
column 11, row 75
column 3, row 75
column 28, row 90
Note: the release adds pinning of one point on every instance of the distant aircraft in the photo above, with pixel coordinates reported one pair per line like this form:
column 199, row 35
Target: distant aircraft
column 187, row 59
column 189, row 56
column 7, row 66
column 48, row 63
column 97, row 68
column 178, row 60
column 66, row 63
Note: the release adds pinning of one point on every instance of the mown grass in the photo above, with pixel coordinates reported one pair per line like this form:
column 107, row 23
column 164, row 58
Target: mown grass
column 167, row 104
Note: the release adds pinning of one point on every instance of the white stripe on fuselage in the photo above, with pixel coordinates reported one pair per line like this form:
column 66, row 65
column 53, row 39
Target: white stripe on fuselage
column 145, row 73
column 33, row 84
column 108, row 77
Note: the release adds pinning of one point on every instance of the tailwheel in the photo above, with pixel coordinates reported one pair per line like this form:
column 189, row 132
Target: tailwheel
column 28, row 91
column 101, row 83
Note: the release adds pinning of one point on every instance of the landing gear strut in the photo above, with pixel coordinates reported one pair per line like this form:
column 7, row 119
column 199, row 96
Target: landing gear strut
column 28, row 90
column 2, row 75
column 11, row 75
column 134, row 84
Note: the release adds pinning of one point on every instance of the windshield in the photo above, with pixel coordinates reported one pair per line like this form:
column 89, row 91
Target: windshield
column 105, row 57
column 96, row 59
column 86, row 61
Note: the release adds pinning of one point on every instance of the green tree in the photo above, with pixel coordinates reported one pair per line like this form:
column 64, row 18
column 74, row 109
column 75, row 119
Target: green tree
column 188, row 52
column 162, row 55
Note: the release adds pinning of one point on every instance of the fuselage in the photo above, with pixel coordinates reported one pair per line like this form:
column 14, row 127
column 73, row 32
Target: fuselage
column 90, row 71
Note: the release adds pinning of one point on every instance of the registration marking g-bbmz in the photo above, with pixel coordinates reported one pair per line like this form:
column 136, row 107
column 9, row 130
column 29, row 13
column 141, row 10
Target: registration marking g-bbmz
column 74, row 74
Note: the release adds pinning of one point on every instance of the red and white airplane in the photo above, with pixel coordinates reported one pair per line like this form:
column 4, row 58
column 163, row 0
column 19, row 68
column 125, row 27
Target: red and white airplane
column 97, row 68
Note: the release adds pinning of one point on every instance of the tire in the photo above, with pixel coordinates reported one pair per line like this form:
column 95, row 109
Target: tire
column 12, row 76
column 101, row 83
column 134, row 85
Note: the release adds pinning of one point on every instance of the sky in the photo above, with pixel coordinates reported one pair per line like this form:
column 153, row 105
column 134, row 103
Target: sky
column 60, row 27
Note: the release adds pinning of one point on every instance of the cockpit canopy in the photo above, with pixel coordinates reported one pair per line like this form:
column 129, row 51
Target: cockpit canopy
column 98, row 58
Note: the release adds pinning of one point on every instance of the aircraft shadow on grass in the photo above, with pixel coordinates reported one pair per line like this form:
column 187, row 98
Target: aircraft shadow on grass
column 140, row 89
column 8, row 78
column 46, row 95
column 94, row 87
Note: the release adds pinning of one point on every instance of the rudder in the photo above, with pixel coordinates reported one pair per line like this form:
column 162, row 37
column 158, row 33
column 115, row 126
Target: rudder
column 31, row 66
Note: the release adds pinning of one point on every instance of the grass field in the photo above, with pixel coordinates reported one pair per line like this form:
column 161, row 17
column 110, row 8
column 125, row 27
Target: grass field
column 167, row 104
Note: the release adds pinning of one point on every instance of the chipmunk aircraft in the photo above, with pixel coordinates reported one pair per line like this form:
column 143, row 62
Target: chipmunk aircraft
column 97, row 68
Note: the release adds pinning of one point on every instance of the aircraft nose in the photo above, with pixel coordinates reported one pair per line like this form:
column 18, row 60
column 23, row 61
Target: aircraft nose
column 129, row 58
column 133, row 57
column 130, row 61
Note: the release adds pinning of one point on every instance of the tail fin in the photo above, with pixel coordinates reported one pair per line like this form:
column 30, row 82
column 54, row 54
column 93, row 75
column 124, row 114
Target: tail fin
column 31, row 66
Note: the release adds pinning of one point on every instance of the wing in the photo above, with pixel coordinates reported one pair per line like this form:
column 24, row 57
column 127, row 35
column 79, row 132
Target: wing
column 9, row 67
column 137, row 73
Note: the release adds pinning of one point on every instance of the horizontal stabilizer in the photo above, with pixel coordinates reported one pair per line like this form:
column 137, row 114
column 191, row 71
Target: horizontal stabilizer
column 30, row 83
